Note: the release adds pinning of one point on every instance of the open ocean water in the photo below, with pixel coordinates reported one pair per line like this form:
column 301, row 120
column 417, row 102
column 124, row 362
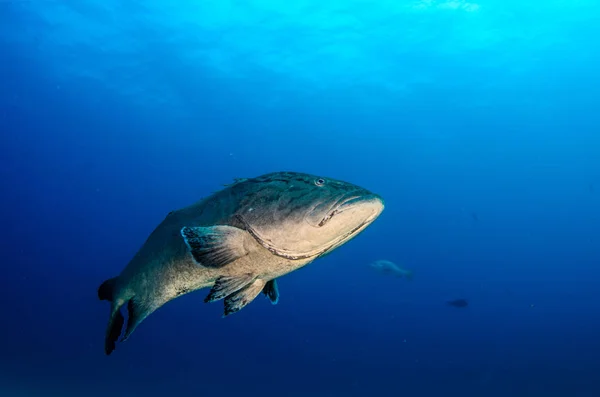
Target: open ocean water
column 478, row 123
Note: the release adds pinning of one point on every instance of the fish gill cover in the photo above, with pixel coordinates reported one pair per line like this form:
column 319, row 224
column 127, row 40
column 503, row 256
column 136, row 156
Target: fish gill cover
column 476, row 121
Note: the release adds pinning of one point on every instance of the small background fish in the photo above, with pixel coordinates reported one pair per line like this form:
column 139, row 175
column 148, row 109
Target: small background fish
column 387, row 267
column 460, row 303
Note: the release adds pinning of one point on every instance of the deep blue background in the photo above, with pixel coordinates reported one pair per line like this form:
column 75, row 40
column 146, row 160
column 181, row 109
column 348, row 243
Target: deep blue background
column 114, row 113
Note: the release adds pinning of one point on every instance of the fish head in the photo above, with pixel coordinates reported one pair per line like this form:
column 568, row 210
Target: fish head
column 299, row 216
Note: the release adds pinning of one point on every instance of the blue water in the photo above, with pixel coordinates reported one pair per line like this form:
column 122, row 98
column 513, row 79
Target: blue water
column 477, row 121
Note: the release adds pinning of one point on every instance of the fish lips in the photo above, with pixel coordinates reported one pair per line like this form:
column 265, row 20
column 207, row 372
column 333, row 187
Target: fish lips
column 351, row 200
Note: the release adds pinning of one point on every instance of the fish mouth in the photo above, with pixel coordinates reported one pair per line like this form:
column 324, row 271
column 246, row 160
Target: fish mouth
column 351, row 201
column 372, row 200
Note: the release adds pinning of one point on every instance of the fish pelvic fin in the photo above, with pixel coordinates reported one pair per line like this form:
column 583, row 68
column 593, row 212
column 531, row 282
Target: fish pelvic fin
column 237, row 291
column 239, row 299
column 271, row 291
column 227, row 285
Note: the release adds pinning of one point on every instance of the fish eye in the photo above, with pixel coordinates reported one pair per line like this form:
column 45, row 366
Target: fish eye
column 319, row 182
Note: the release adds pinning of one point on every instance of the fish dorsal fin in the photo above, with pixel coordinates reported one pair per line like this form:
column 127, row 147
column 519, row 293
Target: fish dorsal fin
column 271, row 291
column 215, row 246
column 236, row 181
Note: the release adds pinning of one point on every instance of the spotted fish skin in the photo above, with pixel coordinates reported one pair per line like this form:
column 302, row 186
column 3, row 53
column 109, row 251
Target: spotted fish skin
column 237, row 242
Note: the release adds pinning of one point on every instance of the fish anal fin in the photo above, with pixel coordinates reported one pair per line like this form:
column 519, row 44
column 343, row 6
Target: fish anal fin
column 227, row 285
column 137, row 311
column 238, row 300
column 215, row 246
column 271, row 290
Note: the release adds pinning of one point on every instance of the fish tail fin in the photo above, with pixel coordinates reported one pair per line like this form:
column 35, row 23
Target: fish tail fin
column 113, row 329
column 410, row 274
column 116, row 319
column 105, row 291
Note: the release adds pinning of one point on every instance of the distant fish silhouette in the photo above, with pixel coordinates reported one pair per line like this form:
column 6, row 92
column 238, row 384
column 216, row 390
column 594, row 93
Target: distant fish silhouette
column 458, row 303
column 474, row 216
column 592, row 188
column 391, row 268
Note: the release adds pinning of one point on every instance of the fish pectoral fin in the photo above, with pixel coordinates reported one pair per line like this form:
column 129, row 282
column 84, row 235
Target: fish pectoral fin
column 238, row 300
column 271, row 290
column 215, row 246
column 227, row 285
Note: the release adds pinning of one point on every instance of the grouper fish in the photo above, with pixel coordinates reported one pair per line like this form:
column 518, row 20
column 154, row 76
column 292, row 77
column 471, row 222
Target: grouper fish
column 237, row 242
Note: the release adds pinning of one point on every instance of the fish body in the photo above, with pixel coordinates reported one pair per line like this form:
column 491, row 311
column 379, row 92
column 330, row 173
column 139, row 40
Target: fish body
column 237, row 242
column 391, row 268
